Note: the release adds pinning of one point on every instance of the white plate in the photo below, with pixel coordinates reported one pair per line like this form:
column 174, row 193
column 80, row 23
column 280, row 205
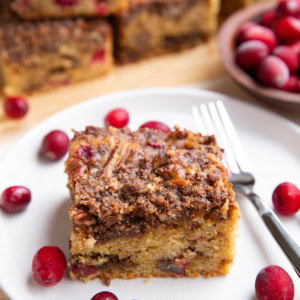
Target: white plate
column 273, row 146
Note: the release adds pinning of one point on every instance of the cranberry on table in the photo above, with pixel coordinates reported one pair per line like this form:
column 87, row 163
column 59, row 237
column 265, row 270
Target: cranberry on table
column 55, row 145
column 15, row 199
column 105, row 296
column 156, row 125
column 249, row 54
column 66, row 3
column 289, row 56
column 16, row 107
column 288, row 7
column 273, row 72
column 259, row 33
column 118, row 118
column 287, row 29
column 268, row 19
column 49, row 266
column 286, row 199
column 274, row 283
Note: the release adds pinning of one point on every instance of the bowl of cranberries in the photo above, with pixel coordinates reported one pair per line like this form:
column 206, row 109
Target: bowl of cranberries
column 260, row 49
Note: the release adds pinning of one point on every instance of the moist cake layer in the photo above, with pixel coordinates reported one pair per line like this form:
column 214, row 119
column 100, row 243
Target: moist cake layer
column 194, row 248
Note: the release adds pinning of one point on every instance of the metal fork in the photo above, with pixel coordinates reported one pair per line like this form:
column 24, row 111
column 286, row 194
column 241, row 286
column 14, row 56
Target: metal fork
column 213, row 118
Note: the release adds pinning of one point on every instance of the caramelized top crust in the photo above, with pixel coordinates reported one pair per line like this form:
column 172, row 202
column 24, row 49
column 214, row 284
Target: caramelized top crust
column 20, row 40
column 123, row 182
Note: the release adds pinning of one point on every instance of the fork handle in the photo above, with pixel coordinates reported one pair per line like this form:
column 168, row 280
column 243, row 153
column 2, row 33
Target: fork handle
column 283, row 238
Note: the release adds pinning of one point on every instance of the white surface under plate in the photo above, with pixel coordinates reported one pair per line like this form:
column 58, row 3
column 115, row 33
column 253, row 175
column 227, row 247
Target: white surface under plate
column 272, row 144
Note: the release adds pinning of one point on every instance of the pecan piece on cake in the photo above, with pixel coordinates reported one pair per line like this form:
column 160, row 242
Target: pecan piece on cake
column 143, row 211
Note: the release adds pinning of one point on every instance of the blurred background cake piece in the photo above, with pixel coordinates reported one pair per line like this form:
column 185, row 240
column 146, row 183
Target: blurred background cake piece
column 37, row 9
column 38, row 56
column 153, row 27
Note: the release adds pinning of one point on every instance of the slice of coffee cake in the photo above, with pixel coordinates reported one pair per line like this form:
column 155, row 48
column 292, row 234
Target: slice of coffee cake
column 149, row 204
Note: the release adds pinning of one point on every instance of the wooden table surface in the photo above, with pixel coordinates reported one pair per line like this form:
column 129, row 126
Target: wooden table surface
column 199, row 67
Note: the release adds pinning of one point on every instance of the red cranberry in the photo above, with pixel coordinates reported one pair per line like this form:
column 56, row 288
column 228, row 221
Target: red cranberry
column 286, row 199
column 297, row 90
column 84, row 152
column 156, row 125
column 15, row 107
column 55, row 145
column 268, row 19
column 105, row 296
column 249, row 54
column 274, row 283
column 118, row 118
column 260, row 33
column 65, row 3
column 102, row 9
column 15, row 199
column 273, row 72
column 295, row 45
column 48, row 266
column 244, row 28
column 288, row 29
column 288, row 7
column 99, row 56
column 84, row 270
column 291, row 85
column 289, row 56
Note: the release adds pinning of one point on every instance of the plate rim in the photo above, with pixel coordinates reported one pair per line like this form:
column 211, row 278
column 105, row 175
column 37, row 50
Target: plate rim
column 184, row 91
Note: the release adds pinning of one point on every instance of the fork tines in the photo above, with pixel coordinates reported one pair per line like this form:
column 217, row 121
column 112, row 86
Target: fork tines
column 213, row 118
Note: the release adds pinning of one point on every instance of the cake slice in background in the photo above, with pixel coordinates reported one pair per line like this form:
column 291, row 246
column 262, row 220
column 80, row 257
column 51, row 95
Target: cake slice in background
column 149, row 204
column 152, row 27
column 39, row 9
column 39, row 56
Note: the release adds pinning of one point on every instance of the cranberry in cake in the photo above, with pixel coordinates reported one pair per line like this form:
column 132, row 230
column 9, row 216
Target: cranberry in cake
column 37, row 9
column 151, row 27
column 38, row 56
column 149, row 204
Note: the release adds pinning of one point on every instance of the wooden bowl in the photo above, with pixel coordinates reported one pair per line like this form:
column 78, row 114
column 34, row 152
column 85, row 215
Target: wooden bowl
column 227, row 42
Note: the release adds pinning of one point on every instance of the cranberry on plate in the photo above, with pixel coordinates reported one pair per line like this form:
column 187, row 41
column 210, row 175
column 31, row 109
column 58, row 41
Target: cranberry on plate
column 274, row 283
column 16, row 107
column 105, row 296
column 55, row 145
column 118, row 118
column 156, row 125
column 15, row 199
column 286, row 199
column 48, row 266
